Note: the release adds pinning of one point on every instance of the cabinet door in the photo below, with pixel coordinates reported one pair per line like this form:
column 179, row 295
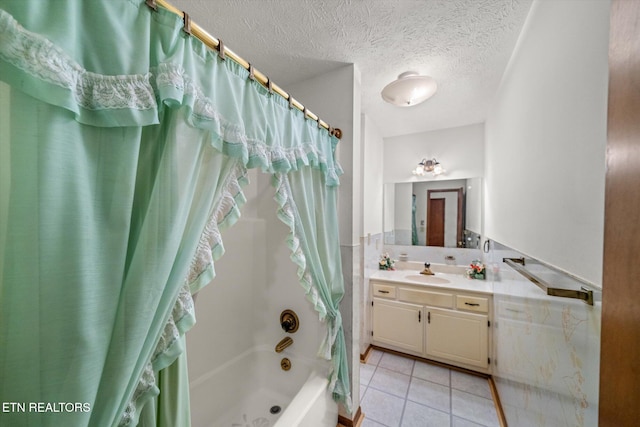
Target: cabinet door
column 398, row 324
column 457, row 336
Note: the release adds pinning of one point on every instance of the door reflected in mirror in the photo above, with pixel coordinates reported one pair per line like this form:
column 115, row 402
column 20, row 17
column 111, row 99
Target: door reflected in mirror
column 444, row 213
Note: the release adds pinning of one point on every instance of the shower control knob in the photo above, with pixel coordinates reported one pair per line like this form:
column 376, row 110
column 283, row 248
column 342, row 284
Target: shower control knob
column 288, row 324
column 289, row 321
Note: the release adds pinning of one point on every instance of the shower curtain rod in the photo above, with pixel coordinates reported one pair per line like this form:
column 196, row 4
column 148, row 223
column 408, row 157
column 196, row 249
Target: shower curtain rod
column 216, row 44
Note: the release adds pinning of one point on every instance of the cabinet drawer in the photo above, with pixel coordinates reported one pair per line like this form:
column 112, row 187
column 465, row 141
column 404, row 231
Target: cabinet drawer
column 384, row 291
column 437, row 299
column 469, row 303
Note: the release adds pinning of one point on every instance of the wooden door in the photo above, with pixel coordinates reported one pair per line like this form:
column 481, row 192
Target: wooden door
column 436, row 217
column 435, row 222
column 620, row 344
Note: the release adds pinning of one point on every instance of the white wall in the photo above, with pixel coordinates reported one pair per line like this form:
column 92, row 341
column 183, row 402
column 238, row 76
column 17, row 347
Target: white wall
column 474, row 205
column 372, row 222
column 460, row 150
column 210, row 343
column 545, row 139
column 389, row 200
column 403, row 206
column 372, row 183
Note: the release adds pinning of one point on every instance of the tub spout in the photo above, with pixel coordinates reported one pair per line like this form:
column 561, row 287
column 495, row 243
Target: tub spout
column 284, row 343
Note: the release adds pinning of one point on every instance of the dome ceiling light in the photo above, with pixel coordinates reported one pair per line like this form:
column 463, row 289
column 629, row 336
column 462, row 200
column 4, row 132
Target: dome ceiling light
column 409, row 89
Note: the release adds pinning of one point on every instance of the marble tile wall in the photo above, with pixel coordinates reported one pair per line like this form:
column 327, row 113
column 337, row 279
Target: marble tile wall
column 351, row 312
column 397, row 237
column 372, row 247
column 403, row 238
column 436, row 255
column 546, row 349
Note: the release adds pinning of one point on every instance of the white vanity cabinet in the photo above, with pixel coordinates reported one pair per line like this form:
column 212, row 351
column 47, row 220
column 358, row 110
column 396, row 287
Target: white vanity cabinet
column 445, row 325
column 398, row 324
column 457, row 337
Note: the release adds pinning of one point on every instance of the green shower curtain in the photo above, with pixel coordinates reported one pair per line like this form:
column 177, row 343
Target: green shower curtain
column 124, row 144
column 414, row 229
column 308, row 207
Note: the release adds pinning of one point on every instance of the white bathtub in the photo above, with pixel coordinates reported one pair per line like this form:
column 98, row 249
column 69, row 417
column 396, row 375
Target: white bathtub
column 242, row 392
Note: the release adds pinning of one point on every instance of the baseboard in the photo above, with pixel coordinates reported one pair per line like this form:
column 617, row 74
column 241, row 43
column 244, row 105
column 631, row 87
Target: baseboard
column 496, row 400
column 431, row 362
column 357, row 419
column 365, row 356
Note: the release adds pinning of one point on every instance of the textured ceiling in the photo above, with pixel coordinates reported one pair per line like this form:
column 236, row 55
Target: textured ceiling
column 464, row 44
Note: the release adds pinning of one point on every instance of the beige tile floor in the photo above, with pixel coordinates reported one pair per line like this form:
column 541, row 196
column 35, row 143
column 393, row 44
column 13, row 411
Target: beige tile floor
column 397, row 391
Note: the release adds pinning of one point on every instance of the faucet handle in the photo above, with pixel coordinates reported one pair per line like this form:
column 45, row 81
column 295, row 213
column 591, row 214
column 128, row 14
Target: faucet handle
column 288, row 324
column 427, row 264
column 289, row 321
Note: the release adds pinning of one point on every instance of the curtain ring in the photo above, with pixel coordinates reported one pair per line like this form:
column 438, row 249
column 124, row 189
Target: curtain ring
column 251, row 73
column 305, row 111
column 221, row 50
column 187, row 23
column 152, row 4
column 319, row 125
column 290, row 102
column 269, row 86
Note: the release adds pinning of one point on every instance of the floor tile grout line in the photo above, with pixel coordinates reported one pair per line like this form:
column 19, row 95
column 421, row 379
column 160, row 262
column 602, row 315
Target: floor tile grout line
column 449, row 373
column 375, row 369
column 474, row 395
column 472, row 421
column 450, row 399
column 406, row 394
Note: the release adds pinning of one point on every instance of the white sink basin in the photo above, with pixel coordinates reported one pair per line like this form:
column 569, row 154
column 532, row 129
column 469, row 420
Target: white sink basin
column 423, row 278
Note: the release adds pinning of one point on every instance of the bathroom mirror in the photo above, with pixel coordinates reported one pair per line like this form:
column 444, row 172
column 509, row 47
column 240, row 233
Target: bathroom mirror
column 445, row 213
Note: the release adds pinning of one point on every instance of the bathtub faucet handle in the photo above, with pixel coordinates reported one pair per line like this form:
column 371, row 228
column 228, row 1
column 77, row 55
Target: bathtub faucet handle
column 289, row 321
column 287, row 324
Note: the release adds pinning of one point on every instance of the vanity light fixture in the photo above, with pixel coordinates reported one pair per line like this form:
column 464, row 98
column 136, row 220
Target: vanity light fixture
column 431, row 165
column 409, row 89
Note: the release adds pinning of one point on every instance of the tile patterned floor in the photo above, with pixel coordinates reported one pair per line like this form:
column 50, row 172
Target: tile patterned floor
column 397, row 391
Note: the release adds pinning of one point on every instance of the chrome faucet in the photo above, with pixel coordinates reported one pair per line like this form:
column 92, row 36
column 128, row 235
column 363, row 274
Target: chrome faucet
column 284, row 343
column 427, row 270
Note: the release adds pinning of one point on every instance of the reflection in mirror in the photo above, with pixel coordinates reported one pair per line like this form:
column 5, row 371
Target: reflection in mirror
column 444, row 213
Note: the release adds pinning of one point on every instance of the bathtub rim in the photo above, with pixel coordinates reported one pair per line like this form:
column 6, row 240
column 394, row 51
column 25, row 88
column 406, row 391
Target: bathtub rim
column 309, row 384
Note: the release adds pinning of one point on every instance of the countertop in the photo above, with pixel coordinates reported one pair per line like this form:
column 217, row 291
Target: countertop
column 457, row 281
column 511, row 284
